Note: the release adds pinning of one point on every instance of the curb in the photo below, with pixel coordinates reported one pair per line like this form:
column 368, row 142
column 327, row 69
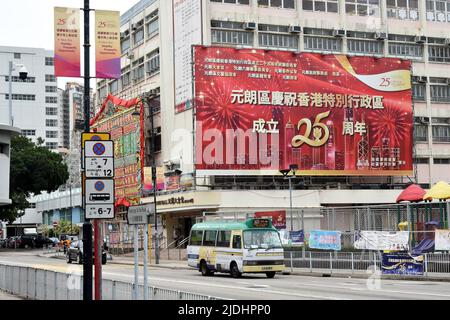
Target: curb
column 141, row 264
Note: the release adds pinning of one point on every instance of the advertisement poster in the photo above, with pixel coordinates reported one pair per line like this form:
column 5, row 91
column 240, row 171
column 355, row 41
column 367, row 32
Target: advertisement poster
column 67, row 42
column 258, row 111
column 442, row 240
column 126, row 130
column 107, row 44
column 382, row 240
column 187, row 23
column 403, row 264
column 325, row 240
column 278, row 218
column 148, row 182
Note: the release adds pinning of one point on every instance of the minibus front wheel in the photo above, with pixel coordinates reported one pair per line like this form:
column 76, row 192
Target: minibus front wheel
column 235, row 273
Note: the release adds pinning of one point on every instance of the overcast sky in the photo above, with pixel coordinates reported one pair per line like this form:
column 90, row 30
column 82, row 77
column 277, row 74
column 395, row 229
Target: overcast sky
column 29, row 23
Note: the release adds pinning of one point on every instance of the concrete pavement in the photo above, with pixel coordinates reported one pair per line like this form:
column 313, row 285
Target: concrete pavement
column 6, row 296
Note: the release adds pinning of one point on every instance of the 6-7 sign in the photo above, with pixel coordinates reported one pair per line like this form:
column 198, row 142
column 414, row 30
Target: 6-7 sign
column 101, row 211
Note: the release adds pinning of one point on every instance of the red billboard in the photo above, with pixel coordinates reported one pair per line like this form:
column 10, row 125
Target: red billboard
column 259, row 111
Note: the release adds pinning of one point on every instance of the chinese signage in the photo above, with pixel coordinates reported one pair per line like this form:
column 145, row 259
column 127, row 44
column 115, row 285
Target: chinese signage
column 261, row 111
column 107, row 44
column 278, row 218
column 325, row 240
column 442, row 240
column 67, row 42
column 187, row 21
column 402, row 263
column 381, row 240
column 126, row 130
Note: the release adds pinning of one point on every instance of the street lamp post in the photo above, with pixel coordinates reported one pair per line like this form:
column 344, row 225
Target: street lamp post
column 285, row 173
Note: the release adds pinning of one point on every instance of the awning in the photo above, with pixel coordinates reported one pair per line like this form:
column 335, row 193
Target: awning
column 441, row 191
column 413, row 193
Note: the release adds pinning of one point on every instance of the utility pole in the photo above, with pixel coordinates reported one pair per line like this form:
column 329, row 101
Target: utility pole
column 87, row 226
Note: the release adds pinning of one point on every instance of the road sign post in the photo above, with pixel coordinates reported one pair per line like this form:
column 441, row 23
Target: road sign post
column 140, row 215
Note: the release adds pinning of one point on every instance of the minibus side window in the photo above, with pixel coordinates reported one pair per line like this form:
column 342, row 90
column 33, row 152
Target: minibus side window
column 196, row 238
column 237, row 242
column 223, row 239
column 209, row 238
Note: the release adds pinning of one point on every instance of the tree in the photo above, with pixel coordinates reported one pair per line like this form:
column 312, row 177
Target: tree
column 34, row 168
column 65, row 227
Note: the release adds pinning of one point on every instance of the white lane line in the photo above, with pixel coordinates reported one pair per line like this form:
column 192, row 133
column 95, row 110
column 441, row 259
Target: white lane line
column 379, row 290
column 239, row 288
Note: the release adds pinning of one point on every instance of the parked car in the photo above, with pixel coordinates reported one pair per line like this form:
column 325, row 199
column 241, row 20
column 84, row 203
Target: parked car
column 75, row 253
column 11, row 242
column 55, row 241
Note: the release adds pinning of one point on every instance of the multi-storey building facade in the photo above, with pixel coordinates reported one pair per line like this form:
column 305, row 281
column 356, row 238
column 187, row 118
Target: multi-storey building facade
column 406, row 29
column 35, row 100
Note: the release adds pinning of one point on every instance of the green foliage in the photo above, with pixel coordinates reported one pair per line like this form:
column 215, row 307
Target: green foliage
column 34, row 168
column 65, row 227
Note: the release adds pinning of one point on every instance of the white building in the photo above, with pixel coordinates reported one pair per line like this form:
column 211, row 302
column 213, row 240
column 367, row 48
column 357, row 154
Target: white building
column 408, row 29
column 35, row 101
column 6, row 133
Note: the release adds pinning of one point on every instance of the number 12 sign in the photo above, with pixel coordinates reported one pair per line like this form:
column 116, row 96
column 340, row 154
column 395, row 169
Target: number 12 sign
column 99, row 159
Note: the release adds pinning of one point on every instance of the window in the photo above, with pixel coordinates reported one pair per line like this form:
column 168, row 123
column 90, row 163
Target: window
column 125, row 78
column 196, row 238
column 209, row 238
column 51, row 111
column 138, row 69
column 158, row 139
column 321, row 40
column 102, row 93
column 286, row 4
column 223, row 239
column 321, row 5
column 114, row 87
column 17, row 79
column 439, row 53
column 438, row 10
column 405, row 50
column 17, row 55
column 419, row 91
column 51, row 145
column 440, row 93
column 230, row 36
column 441, row 133
column 363, row 7
column 276, row 39
column 421, row 132
column 51, row 99
column 50, row 89
column 49, row 61
column 28, row 132
column 50, row 78
column 24, row 97
column 403, row 9
column 51, row 122
column 421, row 161
column 233, row 1
column 51, row 134
column 125, row 45
column 153, row 62
column 152, row 24
column 138, row 35
column 441, row 161
column 365, row 46
column 237, row 242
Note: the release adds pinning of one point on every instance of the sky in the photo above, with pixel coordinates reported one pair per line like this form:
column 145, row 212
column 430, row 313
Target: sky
column 29, row 23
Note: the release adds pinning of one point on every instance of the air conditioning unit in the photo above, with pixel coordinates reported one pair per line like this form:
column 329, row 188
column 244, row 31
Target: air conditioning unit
column 380, row 35
column 122, row 35
column 295, row 29
column 420, row 39
column 421, row 79
column 130, row 55
column 134, row 26
column 250, row 26
column 447, row 42
column 154, row 92
column 339, row 33
column 424, row 120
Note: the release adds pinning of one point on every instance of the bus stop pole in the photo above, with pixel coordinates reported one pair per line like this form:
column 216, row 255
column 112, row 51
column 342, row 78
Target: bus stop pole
column 136, row 262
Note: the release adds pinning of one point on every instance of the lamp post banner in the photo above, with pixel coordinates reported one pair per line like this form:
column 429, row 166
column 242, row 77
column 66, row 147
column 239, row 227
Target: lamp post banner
column 107, row 44
column 259, row 111
column 67, row 42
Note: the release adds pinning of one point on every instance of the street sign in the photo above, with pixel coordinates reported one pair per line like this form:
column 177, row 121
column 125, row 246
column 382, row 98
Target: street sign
column 100, row 211
column 99, row 191
column 140, row 214
column 92, row 136
column 99, row 159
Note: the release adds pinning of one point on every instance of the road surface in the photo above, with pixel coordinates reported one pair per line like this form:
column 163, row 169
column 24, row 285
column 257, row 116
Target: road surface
column 250, row 287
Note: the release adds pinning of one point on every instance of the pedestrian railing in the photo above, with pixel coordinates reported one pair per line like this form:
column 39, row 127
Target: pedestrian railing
column 434, row 263
column 39, row 284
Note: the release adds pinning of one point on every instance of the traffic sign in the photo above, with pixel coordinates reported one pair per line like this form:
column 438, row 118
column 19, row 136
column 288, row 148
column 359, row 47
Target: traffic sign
column 140, row 214
column 99, row 159
column 94, row 137
column 100, row 211
column 99, row 191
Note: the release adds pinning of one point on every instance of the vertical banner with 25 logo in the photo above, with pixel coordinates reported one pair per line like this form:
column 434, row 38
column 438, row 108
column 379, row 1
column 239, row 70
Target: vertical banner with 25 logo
column 107, row 42
column 67, row 42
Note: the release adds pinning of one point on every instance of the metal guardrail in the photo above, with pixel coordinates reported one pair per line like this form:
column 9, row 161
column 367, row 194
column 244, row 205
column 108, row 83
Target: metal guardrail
column 39, row 284
column 434, row 263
